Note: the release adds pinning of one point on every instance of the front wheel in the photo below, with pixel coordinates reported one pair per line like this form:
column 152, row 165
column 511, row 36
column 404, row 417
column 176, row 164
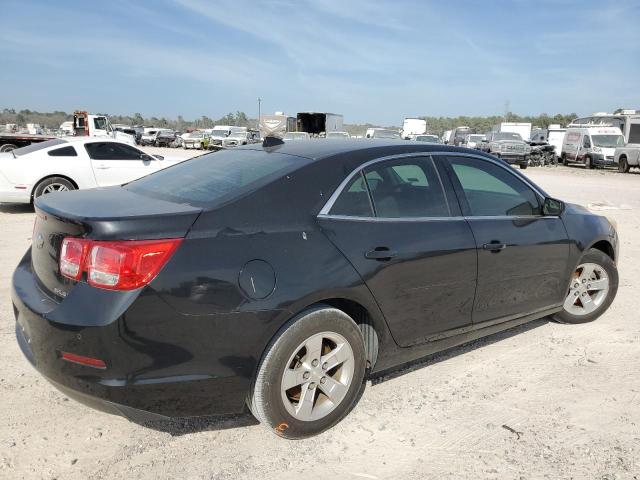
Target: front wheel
column 594, row 285
column 587, row 163
column 312, row 374
column 525, row 163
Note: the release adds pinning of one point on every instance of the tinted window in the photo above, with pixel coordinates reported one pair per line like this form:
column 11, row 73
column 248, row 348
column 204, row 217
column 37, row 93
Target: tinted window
column 63, row 152
column 493, row 191
column 216, row 177
column 354, row 200
column 634, row 133
column 34, row 147
column 406, row 188
column 112, row 151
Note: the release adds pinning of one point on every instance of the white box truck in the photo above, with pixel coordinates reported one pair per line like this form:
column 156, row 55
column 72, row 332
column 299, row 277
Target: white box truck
column 412, row 127
column 522, row 129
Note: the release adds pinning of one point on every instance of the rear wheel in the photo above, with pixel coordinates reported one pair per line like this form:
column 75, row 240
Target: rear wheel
column 594, row 285
column 623, row 165
column 565, row 162
column 51, row 185
column 7, row 147
column 311, row 375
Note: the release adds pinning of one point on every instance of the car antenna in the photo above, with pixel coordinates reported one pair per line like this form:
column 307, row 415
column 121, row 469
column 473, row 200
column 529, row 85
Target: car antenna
column 271, row 141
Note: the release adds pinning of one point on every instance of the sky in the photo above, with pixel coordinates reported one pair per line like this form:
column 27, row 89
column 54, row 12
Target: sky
column 372, row 61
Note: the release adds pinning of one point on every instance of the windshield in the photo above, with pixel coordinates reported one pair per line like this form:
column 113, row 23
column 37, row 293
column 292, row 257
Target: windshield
column 608, row 141
column 507, row 136
column 34, row 147
column 426, row 138
column 216, row 178
column 475, row 138
column 219, row 133
column 196, row 135
column 337, row 135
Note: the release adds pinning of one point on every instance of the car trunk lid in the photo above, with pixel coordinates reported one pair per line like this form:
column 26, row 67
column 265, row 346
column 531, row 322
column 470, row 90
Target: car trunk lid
column 101, row 214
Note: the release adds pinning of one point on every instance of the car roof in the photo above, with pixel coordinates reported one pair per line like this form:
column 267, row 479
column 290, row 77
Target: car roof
column 317, row 149
column 87, row 139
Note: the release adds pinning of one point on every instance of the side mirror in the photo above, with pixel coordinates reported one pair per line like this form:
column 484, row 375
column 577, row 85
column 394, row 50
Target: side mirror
column 552, row 207
column 146, row 157
column 159, row 157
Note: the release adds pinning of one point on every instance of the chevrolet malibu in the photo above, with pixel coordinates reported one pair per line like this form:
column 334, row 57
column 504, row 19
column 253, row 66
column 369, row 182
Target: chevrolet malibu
column 282, row 276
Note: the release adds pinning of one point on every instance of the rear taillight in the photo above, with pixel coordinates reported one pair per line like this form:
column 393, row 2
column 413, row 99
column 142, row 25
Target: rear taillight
column 117, row 265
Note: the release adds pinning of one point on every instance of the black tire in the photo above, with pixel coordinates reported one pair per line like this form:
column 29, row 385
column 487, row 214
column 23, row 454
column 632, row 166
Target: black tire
column 524, row 164
column 266, row 402
column 565, row 162
column 623, row 165
column 40, row 187
column 7, row 147
column 594, row 256
column 587, row 163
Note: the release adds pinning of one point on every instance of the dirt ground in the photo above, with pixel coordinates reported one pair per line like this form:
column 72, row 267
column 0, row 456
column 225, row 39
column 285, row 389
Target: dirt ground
column 541, row 401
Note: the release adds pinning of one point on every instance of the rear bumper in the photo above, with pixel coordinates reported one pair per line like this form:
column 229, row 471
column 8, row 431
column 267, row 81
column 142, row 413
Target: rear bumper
column 152, row 372
column 10, row 194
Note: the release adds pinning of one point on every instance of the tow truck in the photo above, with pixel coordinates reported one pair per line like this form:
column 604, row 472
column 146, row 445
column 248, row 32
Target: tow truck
column 84, row 124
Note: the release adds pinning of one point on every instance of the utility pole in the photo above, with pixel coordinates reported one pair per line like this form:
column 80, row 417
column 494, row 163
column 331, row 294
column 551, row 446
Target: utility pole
column 259, row 102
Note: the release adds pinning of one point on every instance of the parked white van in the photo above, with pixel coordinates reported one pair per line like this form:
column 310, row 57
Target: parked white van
column 628, row 155
column 591, row 145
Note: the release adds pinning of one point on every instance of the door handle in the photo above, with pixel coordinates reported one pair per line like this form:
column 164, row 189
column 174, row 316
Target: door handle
column 380, row 253
column 495, row 246
column 102, row 167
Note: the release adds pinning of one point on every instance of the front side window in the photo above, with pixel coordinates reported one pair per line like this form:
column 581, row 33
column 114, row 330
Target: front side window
column 112, row 151
column 490, row 190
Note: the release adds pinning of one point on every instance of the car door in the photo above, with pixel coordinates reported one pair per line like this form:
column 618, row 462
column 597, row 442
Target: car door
column 409, row 243
column 523, row 255
column 115, row 163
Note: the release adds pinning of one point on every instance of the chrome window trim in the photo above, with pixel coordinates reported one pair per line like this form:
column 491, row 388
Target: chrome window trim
column 324, row 212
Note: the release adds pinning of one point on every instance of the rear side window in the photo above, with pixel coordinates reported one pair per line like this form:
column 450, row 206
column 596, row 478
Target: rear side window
column 403, row 188
column 406, row 188
column 216, row 177
column 63, row 152
column 493, row 191
column 634, row 133
column 34, row 147
column 354, row 200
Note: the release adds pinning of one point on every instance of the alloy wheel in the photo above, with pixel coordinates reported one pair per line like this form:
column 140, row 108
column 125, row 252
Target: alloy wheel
column 317, row 376
column 55, row 187
column 588, row 290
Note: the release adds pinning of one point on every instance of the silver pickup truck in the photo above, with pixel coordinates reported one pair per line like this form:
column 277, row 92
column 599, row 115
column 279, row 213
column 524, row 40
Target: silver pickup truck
column 629, row 155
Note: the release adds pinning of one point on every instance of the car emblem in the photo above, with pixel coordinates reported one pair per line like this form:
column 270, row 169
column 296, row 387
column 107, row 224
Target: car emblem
column 39, row 241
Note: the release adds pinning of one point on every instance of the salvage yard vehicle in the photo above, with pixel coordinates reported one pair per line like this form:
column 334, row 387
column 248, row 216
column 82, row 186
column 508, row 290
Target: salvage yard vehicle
column 382, row 133
column 198, row 140
column 165, row 138
column 473, row 139
column 284, row 275
column 294, row 136
column 318, row 123
column 510, row 147
column 245, row 137
column 72, row 163
column 412, row 127
column 11, row 141
column 628, row 156
column 591, row 146
column 427, row 138
column 343, row 135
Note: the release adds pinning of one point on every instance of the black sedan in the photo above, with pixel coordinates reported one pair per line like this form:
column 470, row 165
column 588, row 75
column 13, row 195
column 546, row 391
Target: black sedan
column 280, row 277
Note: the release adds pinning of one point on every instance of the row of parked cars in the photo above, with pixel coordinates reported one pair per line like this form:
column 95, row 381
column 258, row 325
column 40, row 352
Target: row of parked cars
column 208, row 139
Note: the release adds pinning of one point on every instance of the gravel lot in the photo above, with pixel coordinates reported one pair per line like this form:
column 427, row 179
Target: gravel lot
column 572, row 393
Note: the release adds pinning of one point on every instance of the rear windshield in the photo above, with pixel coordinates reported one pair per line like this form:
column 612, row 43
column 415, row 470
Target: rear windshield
column 34, row 147
column 216, row 177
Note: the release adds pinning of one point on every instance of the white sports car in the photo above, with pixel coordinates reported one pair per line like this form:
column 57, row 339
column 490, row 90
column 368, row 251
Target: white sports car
column 72, row 163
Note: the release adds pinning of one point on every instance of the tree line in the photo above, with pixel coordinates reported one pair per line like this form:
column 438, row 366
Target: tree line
column 435, row 125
